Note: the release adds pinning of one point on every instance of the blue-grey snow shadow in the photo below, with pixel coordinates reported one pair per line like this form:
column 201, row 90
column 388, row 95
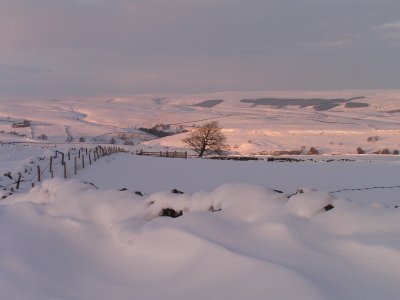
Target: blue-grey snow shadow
column 317, row 103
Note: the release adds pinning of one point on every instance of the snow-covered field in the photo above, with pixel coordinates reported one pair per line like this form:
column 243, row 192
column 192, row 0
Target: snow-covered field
column 333, row 122
column 317, row 229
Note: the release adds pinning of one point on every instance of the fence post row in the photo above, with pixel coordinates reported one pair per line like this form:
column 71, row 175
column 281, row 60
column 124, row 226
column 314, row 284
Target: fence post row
column 97, row 152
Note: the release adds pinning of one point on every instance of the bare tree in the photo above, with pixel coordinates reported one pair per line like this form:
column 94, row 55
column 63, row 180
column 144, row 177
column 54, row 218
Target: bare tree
column 206, row 138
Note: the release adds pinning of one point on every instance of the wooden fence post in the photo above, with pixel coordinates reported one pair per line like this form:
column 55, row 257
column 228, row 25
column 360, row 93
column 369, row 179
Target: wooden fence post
column 69, row 156
column 83, row 161
column 75, row 166
column 38, row 173
column 62, row 158
column 90, row 160
column 19, row 180
column 186, row 156
column 51, row 164
column 65, row 170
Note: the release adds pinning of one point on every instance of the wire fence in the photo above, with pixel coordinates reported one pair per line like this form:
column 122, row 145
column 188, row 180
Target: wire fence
column 60, row 164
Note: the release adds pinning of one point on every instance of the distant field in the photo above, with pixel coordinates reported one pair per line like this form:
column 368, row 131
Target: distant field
column 255, row 123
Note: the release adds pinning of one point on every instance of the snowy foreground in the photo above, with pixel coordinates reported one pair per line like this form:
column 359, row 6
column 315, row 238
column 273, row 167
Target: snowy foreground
column 72, row 240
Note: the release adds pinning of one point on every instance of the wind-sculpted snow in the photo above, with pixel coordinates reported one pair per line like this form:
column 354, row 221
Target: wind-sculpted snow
column 70, row 240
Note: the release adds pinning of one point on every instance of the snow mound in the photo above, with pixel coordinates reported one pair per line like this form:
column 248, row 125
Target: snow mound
column 70, row 240
column 309, row 203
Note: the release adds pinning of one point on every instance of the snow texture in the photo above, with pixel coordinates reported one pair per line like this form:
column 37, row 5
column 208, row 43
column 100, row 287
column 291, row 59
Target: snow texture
column 69, row 240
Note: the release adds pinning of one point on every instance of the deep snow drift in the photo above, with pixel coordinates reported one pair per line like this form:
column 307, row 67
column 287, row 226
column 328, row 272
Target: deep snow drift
column 150, row 175
column 69, row 240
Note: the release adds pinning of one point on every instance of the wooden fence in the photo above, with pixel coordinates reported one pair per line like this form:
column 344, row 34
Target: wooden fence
column 60, row 164
column 65, row 165
column 172, row 154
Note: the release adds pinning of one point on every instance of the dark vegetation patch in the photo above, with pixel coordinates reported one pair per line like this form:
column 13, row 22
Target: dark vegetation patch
column 372, row 139
column 21, row 124
column 276, row 159
column 209, row 103
column 383, row 151
column 159, row 101
column 239, row 158
column 313, row 151
column 162, row 130
column 156, row 132
column 288, row 159
column 287, row 152
column 341, row 159
column 356, row 105
column 360, row 150
column 318, row 104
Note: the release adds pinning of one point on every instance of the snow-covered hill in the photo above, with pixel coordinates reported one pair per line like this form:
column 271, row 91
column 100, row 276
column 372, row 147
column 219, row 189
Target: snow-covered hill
column 254, row 122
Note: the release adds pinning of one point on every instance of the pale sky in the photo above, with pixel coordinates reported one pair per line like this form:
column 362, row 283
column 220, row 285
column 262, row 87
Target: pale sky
column 80, row 48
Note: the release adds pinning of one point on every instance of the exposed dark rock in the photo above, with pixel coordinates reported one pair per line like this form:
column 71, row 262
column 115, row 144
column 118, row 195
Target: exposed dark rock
column 91, row 184
column 278, row 191
column 212, row 209
column 328, row 207
column 138, row 193
column 175, row 191
column 169, row 212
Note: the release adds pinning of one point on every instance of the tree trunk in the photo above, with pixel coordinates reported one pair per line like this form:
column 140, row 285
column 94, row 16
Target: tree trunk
column 202, row 150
